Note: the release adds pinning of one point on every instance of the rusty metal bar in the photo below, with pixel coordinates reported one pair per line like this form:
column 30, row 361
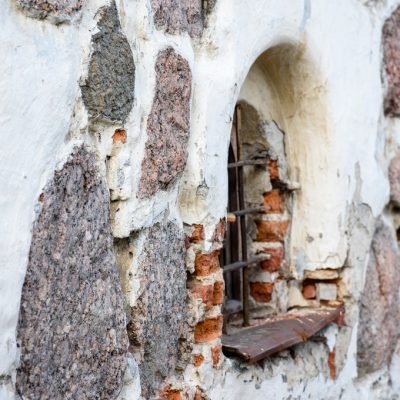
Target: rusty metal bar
column 242, row 264
column 253, row 210
column 242, row 163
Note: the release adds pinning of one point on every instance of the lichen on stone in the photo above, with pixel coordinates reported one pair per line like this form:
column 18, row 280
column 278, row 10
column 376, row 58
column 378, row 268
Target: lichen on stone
column 168, row 124
column 108, row 91
column 72, row 326
column 158, row 320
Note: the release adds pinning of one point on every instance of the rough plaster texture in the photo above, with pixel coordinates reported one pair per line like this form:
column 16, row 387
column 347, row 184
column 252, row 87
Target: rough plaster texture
column 56, row 10
column 379, row 311
column 168, row 124
column 391, row 51
column 394, row 179
column 158, row 319
column 71, row 331
column 177, row 16
column 108, row 88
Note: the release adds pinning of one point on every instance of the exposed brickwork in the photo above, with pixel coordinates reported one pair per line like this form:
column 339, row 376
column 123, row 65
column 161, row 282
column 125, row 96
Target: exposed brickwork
column 198, row 234
column 205, row 293
column 379, row 309
column 108, row 89
column 331, row 364
column 72, row 325
column 198, row 359
column 218, row 292
column 275, row 200
column 219, row 233
column 271, row 231
column 276, row 260
column 261, row 291
column 309, row 291
column 158, row 320
column 208, row 330
column 167, row 125
column 170, row 394
column 119, row 136
column 216, row 355
column 273, row 170
column 55, row 10
column 391, row 54
column 206, row 264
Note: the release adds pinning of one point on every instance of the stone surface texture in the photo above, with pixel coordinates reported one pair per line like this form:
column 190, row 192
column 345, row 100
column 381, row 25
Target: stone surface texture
column 379, row 309
column 56, row 10
column 394, row 179
column 158, row 320
column 177, row 16
column 72, row 328
column 168, row 124
column 108, row 91
column 391, row 52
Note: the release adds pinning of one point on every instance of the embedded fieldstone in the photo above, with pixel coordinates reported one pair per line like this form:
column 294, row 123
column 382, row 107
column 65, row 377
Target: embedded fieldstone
column 108, row 91
column 394, row 179
column 72, row 326
column 391, row 55
column 168, row 124
column 379, row 321
column 158, row 320
column 55, row 10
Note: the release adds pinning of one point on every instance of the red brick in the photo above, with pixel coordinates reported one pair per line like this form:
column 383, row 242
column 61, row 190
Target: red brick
column 275, row 200
column 208, row 330
column 170, row 394
column 275, row 262
column 205, row 293
column 331, row 364
column 206, row 264
column 216, row 355
column 271, row 231
column 199, row 395
column 198, row 234
column 119, row 136
column 273, row 170
column 198, row 360
column 340, row 321
column 219, row 233
column 309, row 291
column 218, row 295
column 261, row 291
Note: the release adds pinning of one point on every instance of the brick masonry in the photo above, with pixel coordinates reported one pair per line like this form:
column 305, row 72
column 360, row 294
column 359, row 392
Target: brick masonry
column 72, row 327
column 168, row 124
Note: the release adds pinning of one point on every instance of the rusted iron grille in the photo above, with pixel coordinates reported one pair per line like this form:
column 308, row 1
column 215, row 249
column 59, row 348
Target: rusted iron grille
column 235, row 255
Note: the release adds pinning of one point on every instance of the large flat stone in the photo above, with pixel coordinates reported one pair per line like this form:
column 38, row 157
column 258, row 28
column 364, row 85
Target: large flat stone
column 168, row 124
column 158, row 320
column 108, row 91
column 379, row 307
column 72, row 326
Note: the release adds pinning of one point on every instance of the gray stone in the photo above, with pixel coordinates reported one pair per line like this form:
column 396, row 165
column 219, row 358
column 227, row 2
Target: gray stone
column 108, row 91
column 177, row 16
column 72, row 326
column 168, row 124
column 158, row 320
column 391, row 55
column 394, row 179
column 379, row 311
column 55, row 10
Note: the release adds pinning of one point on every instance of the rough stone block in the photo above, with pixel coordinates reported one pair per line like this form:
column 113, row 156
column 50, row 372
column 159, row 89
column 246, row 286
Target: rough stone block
column 177, row 16
column 261, row 291
column 271, row 231
column 108, row 91
column 394, row 179
column 326, row 291
column 321, row 274
column 56, row 11
column 391, row 57
column 158, row 320
column 72, row 328
column 379, row 318
column 168, row 124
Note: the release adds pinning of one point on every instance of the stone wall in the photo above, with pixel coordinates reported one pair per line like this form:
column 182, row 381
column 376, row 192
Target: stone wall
column 117, row 118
